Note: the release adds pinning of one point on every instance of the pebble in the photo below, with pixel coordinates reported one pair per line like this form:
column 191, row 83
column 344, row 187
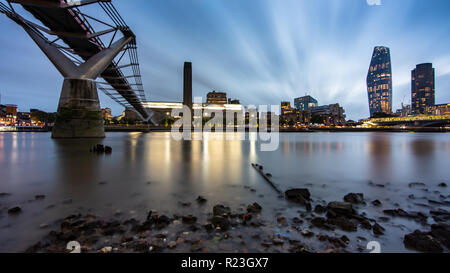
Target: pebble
column 15, row 210
column 106, row 249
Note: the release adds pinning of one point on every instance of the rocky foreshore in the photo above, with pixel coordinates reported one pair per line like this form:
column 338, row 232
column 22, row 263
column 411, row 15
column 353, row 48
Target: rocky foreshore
column 318, row 228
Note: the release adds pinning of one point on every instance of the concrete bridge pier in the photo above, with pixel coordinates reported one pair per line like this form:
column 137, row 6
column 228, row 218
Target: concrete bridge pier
column 79, row 114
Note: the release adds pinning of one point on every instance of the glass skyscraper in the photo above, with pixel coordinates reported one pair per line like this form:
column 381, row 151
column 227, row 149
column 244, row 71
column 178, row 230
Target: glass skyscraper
column 379, row 82
column 422, row 88
column 305, row 103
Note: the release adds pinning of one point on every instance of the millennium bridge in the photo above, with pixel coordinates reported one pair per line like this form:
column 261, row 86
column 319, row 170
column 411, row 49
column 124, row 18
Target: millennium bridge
column 92, row 47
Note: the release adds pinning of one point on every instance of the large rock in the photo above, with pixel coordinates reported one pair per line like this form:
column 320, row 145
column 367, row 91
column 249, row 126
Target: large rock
column 440, row 215
column 340, row 208
column 378, row 230
column 222, row 222
column 15, row 210
column 441, row 232
column 221, row 210
column 423, row 242
column 344, row 223
column 254, row 208
column 412, row 215
column 189, row 219
column 354, row 198
column 321, row 222
column 301, row 196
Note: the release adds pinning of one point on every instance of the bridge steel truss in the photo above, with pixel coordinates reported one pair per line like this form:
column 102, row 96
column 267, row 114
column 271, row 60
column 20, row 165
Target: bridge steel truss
column 67, row 36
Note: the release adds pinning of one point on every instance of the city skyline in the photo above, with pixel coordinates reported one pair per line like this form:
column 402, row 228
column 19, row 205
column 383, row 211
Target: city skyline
column 269, row 52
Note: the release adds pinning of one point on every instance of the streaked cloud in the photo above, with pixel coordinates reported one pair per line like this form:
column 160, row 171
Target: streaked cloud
column 259, row 51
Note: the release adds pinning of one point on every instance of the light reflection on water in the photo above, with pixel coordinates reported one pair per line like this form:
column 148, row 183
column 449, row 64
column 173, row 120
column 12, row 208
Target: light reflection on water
column 33, row 163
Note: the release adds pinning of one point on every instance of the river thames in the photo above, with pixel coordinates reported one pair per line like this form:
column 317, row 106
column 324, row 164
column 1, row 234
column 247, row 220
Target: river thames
column 154, row 172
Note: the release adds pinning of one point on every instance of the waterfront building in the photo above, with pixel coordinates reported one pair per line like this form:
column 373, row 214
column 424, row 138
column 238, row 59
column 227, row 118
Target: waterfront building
column 404, row 111
column 296, row 117
column 24, row 118
column 439, row 109
column 216, row 97
column 286, row 108
column 332, row 114
column 267, row 118
column 162, row 110
column 11, row 113
column 2, row 117
column 379, row 82
column 422, row 88
column 305, row 103
column 106, row 114
column 129, row 115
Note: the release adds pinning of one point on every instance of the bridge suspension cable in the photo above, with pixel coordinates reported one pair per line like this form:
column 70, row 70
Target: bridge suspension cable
column 65, row 25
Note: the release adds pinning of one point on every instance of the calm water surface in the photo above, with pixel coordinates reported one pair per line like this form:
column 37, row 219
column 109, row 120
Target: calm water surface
column 152, row 171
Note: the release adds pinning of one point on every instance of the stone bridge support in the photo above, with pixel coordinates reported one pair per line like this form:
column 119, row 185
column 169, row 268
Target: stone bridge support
column 79, row 113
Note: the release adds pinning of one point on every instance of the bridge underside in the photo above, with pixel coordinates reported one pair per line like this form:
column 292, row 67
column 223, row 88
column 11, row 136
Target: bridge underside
column 81, row 56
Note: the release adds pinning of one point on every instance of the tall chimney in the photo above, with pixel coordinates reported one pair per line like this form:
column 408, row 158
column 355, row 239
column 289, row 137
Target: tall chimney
column 187, row 85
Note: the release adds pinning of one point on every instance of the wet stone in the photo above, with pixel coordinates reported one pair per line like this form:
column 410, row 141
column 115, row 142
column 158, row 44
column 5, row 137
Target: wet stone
column 354, row 198
column 440, row 215
column 67, row 201
column 277, row 241
column 196, row 247
column 376, row 203
column 254, row 208
column 401, row 213
column 39, row 197
column 221, row 210
column 416, row 184
column 422, row 241
column 346, row 224
column 378, row 229
column 282, row 221
column 376, row 185
column 300, row 196
column 222, row 222
column 366, row 224
column 201, row 200
column 441, row 232
column 307, row 233
column 14, row 210
column 184, row 204
column 340, row 208
column 320, row 209
column 189, row 219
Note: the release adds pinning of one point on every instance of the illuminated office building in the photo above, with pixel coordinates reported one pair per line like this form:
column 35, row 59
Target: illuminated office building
column 422, row 88
column 379, row 82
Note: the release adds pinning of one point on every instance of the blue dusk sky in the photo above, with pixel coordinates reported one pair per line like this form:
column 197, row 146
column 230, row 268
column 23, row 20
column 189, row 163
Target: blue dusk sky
column 258, row 51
